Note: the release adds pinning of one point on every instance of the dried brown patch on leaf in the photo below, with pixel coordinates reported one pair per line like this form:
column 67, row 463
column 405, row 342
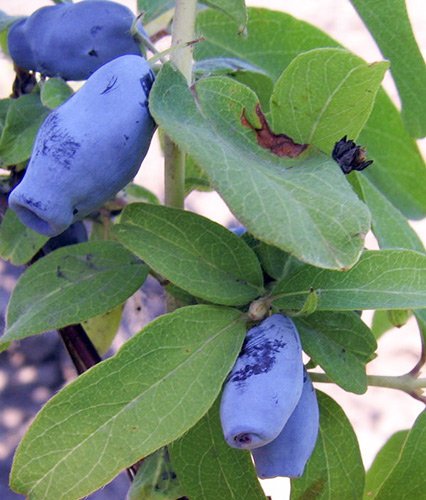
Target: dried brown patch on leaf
column 279, row 144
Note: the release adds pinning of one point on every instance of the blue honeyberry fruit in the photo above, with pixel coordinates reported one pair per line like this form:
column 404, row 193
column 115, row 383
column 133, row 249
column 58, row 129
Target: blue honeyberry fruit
column 289, row 452
column 264, row 385
column 239, row 230
column 76, row 233
column 87, row 149
column 72, row 40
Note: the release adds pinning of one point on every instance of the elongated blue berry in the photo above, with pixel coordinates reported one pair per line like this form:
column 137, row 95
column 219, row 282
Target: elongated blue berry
column 264, row 385
column 72, row 40
column 87, row 149
column 288, row 453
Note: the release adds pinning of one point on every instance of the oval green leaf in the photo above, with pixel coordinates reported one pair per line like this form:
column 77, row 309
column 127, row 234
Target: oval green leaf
column 22, row 118
column 194, row 253
column 70, row 285
column 208, row 468
column 282, row 38
column 382, row 279
column 273, row 38
column 398, row 171
column 54, row 92
column 388, row 21
column 302, row 205
column 335, row 470
column 407, row 481
column 384, row 462
column 18, row 243
column 323, row 95
column 390, row 227
column 159, row 385
column 341, row 344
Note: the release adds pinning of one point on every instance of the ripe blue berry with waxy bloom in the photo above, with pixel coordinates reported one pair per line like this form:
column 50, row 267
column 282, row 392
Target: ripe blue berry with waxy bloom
column 87, row 149
column 72, row 40
column 289, row 452
column 264, row 385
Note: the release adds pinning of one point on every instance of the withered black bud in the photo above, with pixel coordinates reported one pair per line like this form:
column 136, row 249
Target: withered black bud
column 349, row 156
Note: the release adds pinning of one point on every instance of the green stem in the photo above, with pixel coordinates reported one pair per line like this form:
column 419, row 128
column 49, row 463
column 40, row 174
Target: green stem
column 183, row 32
column 174, row 174
column 405, row 383
column 174, row 158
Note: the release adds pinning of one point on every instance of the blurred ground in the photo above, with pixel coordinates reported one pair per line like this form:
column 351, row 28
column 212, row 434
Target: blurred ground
column 29, row 376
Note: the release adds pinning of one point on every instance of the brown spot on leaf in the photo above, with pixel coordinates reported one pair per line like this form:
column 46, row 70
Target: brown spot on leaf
column 314, row 490
column 278, row 144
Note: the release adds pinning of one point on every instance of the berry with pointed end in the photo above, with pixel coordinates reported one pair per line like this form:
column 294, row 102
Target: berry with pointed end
column 264, row 385
column 288, row 453
column 87, row 149
column 72, row 40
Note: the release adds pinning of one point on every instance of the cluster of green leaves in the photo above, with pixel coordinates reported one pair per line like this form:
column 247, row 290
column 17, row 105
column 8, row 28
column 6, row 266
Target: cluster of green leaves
column 303, row 252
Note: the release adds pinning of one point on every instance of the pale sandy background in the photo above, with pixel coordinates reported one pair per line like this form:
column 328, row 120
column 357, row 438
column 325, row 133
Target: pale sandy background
column 380, row 412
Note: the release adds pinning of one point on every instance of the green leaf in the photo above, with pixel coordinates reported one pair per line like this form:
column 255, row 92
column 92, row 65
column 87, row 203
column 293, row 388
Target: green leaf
column 383, row 463
column 388, row 21
column 390, row 227
column 248, row 74
column 102, row 329
column 70, row 285
column 18, row 243
column 5, row 346
column 341, row 344
column 154, row 8
column 406, row 480
column 156, row 480
column 282, row 38
column 382, row 279
column 335, row 470
column 399, row 170
column 158, row 386
column 273, row 39
column 134, row 192
column 381, row 323
column 210, row 469
column 302, row 205
column 194, row 253
column 323, row 95
column 195, row 177
column 277, row 263
column 309, row 306
column 54, row 92
column 235, row 9
column 420, row 315
column 21, row 122
column 6, row 21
